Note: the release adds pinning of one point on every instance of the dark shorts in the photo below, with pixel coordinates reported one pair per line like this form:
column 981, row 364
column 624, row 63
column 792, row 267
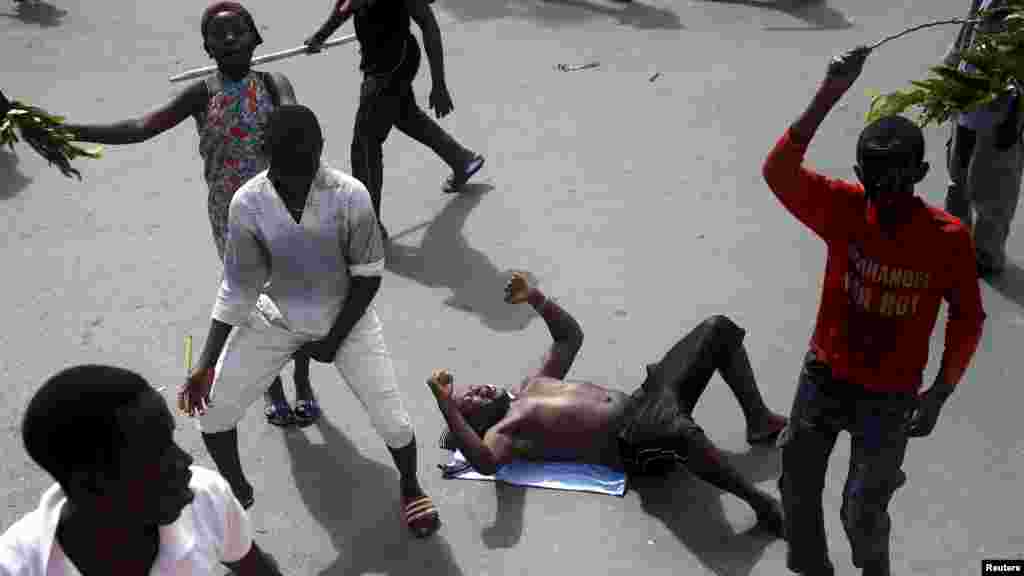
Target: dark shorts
column 658, row 427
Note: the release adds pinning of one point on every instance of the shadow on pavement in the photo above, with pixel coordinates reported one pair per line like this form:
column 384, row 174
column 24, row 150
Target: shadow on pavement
column 12, row 181
column 817, row 13
column 444, row 258
column 693, row 511
column 554, row 13
column 1010, row 283
column 355, row 500
column 38, row 12
column 508, row 521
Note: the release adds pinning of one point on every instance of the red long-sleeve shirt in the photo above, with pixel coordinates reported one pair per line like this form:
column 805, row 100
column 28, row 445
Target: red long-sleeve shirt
column 881, row 297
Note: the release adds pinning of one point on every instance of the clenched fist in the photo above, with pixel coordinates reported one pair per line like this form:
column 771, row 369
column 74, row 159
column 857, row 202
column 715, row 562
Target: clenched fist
column 517, row 288
column 440, row 383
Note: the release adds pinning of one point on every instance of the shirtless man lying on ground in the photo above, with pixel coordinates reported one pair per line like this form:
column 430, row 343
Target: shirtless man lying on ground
column 548, row 418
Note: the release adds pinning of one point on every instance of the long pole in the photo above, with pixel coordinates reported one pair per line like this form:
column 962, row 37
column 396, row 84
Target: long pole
column 272, row 57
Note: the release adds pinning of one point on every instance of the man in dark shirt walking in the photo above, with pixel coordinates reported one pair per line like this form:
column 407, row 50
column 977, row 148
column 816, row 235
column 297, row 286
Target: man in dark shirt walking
column 390, row 60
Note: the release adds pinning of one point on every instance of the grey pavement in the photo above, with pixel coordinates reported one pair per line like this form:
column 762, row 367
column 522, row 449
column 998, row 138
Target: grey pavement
column 639, row 204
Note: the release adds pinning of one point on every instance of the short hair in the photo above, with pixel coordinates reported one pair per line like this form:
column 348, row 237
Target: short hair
column 234, row 8
column 891, row 135
column 480, row 420
column 71, row 422
column 291, row 132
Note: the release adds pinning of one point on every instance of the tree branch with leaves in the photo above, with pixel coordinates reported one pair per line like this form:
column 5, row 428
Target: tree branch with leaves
column 44, row 132
column 996, row 54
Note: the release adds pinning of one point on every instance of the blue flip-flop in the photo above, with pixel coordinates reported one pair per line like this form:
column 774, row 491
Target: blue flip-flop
column 306, row 412
column 279, row 414
column 457, row 180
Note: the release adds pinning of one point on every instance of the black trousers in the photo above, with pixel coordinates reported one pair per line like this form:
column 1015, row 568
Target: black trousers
column 659, row 429
column 386, row 101
column 822, row 408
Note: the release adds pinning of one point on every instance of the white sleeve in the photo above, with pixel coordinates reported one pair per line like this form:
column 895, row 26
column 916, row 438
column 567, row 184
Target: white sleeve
column 365, row 250
column 245, row 268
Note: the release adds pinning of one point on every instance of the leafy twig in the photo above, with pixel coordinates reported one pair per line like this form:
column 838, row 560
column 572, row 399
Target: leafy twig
column 996, row 68
column 920, row 27
column 46, row 134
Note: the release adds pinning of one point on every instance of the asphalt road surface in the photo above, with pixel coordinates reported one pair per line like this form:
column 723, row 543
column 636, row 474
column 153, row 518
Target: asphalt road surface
column 637, row 202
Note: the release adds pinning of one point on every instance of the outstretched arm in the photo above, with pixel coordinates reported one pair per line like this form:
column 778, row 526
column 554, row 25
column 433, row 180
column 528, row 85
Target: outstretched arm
column 423, row 15
column 566, row 332
column 340, row 13
column 811, row 197
column 136, row 130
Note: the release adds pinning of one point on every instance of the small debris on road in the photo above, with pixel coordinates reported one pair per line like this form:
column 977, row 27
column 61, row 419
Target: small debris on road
column 654, row 77
column 576, row 67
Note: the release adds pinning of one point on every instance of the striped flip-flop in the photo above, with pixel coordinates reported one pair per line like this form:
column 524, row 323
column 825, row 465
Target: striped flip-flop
column 421, row 517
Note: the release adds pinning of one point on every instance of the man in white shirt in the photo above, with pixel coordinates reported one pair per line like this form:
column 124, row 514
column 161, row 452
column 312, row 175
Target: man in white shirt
column 985, row 157
column 302, row 265
column 128, row 500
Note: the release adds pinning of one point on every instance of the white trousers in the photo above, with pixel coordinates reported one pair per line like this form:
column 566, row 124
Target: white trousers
column 256, row 352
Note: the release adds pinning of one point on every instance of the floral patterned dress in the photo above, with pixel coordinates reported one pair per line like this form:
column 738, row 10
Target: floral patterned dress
column 231, row 142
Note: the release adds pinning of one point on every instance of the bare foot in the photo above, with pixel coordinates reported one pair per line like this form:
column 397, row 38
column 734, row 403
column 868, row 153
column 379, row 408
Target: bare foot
column 767, row 428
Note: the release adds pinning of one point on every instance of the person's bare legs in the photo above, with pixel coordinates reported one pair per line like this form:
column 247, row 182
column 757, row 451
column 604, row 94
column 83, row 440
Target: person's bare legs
column 223, row 449
column 409, row 485
column 303, row 387
column 706, row 462
column 275, row 394
column 762, row 423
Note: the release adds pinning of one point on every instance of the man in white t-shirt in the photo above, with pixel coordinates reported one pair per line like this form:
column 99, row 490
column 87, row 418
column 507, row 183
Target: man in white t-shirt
column 127, row 499
column 302, row 266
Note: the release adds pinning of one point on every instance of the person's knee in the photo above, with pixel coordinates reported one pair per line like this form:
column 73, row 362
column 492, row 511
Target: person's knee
column 726, row 333
column 721, row 323
column 397, row 432
column 217, row 421
column 864, row 511
column 801, row 445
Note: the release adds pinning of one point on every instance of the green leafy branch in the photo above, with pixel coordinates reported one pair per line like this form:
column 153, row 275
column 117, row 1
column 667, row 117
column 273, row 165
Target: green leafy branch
column 997, row 55
column 46, row 134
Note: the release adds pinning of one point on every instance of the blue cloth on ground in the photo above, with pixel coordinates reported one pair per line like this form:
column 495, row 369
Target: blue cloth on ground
column 573, row 476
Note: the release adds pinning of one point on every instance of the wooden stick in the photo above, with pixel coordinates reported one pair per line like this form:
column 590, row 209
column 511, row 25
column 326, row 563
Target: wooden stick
column 272, row 57
column 921, row 26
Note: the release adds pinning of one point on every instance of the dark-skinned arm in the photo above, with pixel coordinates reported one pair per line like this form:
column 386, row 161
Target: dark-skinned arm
column 340, row 13
column 421, row 13
column 214, row 345
column 246, row 269
column 565, row 331
column 285, row 90
column 136, row 130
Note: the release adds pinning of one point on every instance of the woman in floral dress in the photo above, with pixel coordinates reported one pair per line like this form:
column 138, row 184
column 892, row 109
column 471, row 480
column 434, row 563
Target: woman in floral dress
column 231, row 108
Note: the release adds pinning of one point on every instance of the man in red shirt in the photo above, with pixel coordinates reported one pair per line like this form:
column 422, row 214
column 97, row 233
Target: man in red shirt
column 892, row 259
